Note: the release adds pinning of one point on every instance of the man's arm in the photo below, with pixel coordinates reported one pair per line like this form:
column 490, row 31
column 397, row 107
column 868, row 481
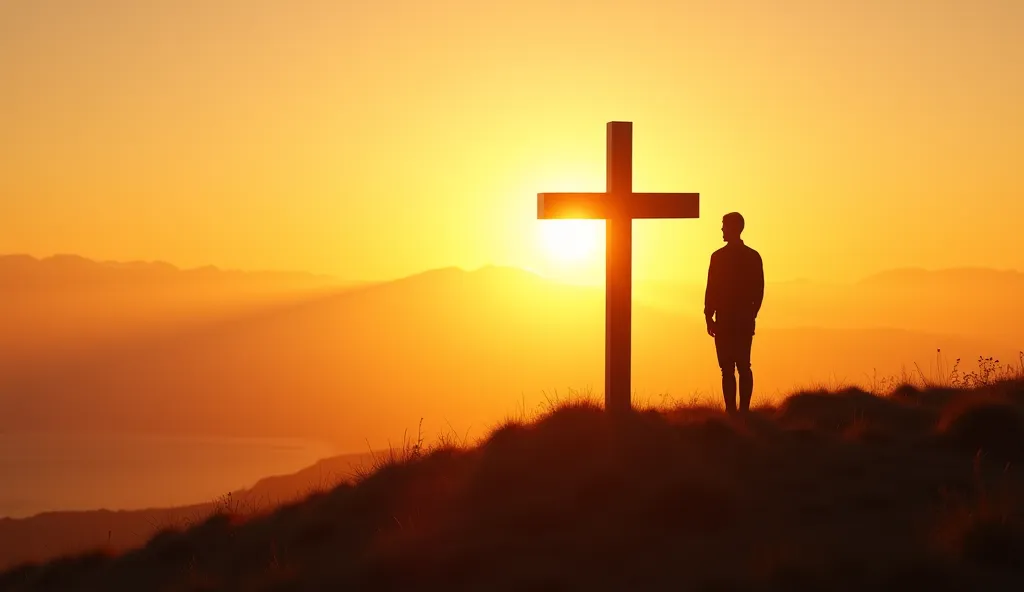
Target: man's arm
column 758, row 286
column 711, row 297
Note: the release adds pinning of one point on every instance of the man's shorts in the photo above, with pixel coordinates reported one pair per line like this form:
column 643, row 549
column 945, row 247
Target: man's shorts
column 733, row 349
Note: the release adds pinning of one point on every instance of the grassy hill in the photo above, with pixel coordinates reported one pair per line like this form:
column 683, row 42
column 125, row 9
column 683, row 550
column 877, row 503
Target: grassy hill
column 920, row 489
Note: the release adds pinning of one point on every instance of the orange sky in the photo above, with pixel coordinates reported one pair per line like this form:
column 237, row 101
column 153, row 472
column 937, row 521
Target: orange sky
column 375, row 139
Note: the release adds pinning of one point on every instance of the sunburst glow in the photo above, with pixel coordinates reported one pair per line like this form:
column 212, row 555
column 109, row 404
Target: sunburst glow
column 571, row 241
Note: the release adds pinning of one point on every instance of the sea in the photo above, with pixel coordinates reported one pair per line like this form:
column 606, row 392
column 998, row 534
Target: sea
column 44, row 472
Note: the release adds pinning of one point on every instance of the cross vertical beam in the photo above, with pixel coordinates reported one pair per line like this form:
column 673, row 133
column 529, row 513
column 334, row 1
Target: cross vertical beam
column 618, row 268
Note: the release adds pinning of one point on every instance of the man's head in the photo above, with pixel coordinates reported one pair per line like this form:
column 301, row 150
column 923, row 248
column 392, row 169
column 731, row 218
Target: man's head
column 732, row 227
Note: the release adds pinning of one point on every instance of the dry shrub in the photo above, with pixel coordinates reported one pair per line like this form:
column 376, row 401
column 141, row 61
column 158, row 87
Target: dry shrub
column 983, row 421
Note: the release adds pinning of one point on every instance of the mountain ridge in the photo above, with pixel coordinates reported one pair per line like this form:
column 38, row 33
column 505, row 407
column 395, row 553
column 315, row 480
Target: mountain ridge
column 14, row 261
column 30, row 267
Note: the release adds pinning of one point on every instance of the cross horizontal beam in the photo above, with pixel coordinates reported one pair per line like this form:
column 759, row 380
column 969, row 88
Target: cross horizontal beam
column 602, row 206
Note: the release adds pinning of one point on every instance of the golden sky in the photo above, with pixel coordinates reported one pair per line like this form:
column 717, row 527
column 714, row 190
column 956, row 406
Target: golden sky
column 378, row 138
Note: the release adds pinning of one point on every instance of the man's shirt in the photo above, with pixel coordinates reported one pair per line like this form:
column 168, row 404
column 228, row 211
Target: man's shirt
column 735, row 288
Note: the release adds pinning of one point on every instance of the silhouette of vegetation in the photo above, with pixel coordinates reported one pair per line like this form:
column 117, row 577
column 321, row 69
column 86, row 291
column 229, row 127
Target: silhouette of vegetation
column 918, row 488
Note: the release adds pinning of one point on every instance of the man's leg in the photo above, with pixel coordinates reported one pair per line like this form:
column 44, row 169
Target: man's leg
column 726, row 361
column 743, row 345
column 729, row 389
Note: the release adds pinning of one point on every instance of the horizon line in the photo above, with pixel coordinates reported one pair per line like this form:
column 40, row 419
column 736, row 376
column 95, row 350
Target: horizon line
column 211, row 267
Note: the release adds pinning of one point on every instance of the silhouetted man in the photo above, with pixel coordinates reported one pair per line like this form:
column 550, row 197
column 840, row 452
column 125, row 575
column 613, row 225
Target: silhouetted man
column 731, row 303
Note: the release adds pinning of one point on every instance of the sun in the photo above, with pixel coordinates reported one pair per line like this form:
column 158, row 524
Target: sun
column 571, row 241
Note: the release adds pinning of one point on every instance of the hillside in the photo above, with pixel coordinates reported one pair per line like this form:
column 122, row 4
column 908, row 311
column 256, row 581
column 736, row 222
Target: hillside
column 838, row 491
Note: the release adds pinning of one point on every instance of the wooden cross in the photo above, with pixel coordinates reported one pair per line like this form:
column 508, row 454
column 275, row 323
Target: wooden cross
column 618, row 206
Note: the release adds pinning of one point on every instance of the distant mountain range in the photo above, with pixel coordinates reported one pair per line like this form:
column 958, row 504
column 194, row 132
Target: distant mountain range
column 69, row 303
column 363, row 363
column 967, row 301
column 23, row 272
column 959, row 276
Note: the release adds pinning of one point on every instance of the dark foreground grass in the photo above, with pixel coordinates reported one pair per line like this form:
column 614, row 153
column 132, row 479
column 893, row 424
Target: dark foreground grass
column 919, row 490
